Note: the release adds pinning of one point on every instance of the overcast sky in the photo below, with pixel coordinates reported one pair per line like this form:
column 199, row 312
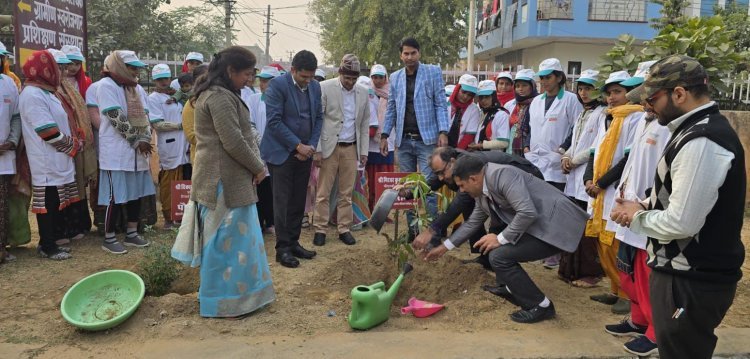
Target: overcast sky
column 287, row 38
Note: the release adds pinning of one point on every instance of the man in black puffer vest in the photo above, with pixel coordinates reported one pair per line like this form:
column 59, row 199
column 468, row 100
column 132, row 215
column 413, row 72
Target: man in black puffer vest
column 694, row 216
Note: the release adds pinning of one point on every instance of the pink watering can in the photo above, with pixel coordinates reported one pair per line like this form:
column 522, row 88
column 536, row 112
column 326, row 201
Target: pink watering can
column 421, row 309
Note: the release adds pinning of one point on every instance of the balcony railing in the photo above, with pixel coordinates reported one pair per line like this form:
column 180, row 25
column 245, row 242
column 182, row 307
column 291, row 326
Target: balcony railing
column 617, row 10
column 554, row 9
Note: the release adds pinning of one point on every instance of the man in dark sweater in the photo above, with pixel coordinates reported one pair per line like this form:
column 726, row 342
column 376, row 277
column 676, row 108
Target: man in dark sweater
column 693, row 218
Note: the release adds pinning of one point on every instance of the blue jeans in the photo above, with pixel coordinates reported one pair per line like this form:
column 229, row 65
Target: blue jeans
column 414, row 155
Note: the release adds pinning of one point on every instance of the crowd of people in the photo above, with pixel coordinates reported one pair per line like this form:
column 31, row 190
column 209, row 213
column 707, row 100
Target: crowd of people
column 640, row 180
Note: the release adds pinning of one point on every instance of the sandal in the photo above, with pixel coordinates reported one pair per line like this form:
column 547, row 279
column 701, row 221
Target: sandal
column 306, row 221
column 58, row 256
column 585, row 283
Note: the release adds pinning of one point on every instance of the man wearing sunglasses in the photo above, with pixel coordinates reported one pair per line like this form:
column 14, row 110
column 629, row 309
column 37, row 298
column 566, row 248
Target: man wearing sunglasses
column 694, row 216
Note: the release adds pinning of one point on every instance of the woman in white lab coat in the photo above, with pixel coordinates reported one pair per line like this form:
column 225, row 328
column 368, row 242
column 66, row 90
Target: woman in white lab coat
column 552, row 117
column 493, row 129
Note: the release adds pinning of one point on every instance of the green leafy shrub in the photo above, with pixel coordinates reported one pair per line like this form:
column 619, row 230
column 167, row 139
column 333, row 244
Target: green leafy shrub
column 158, row 269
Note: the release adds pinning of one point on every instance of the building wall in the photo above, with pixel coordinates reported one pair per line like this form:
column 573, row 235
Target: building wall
column 587, row 54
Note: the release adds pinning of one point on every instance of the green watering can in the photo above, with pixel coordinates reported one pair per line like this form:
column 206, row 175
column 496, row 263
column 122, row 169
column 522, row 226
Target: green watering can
column 371, row 305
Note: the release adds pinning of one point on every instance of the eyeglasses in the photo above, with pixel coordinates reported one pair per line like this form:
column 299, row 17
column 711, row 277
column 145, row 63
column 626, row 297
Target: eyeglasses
column 650, row 101
column 441, row 173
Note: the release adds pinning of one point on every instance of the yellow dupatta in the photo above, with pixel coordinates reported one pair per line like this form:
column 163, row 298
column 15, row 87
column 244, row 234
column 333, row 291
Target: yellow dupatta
column 595, row 227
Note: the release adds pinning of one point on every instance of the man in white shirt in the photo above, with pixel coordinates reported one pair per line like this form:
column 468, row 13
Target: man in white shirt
column 344, row 142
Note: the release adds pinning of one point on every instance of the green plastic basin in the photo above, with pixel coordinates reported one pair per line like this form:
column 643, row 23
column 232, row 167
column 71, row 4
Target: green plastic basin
column 103, row 300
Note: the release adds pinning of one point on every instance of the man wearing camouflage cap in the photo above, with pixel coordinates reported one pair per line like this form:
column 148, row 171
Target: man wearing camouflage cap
column 693, row 218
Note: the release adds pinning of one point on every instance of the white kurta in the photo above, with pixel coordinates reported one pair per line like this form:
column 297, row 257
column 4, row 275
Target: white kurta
column 640, row 171
column 627, row 133
column 115, row 153
column 257, row 108
column 548, row 131
column 8, row 108
column 173, row 147
column 41, row 109
column 585, row 132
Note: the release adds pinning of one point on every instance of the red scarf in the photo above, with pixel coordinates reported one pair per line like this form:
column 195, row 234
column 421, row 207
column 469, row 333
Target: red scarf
column 456, row 104
column 516, row 115
column 504, row 97
column 83, row 82
column 42, row 71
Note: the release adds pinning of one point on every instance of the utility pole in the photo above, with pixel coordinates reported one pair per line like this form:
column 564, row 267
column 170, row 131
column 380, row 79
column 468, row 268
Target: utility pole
column 228, row 22
column 290, row 53
column 268, row 31
column 472, row 29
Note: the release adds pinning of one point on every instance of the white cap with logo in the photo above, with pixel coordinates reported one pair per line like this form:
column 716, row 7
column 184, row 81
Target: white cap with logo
column 548, row 66
column 525, row 75
column 59, row 56
column 161, row 71
column 197, row 56
column 73, row 53
column 268, row 72
column 130, row 58
column 588, row 76
column 468, row 83
column 486, row 88
column 378, row 70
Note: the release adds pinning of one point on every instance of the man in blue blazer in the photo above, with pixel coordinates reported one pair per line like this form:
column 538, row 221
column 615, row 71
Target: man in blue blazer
column 295, row 118
column 417, row 110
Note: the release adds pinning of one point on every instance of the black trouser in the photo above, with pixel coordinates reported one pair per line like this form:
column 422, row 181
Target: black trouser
column 704, row 304
column 114, row 211
column 558, row 185
column 265, row 203
column 53, row 225
column 506, row 259
column 80, row 220
column 289, row 181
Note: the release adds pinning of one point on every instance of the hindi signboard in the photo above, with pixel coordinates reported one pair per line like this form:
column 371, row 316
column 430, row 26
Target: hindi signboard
column 44, row 24
column 386, row 180
column 180, row 197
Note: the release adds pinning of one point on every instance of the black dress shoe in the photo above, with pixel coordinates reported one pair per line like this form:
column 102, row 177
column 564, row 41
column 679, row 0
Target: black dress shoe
column 347, row 238
column 287, row 259
column 300, row 252
column 533, row 315
column 501, row 291
column 319, row 239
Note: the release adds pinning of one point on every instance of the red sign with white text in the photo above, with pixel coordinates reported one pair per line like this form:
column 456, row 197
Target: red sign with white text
column 180, row 198
column 386, row 180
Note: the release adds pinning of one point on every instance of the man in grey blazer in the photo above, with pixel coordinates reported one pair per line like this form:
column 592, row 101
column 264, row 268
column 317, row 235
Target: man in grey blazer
column 343, row 146
column 541, row 222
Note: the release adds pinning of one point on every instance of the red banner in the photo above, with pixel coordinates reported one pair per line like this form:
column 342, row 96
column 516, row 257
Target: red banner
column 386, row 180
column 180, row 198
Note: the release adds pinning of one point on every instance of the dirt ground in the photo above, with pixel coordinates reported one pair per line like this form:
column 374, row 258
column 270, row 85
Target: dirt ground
column 312, row 303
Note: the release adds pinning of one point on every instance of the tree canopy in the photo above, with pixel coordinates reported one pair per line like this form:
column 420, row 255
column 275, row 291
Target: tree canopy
column 371, row 29
column 140, row 26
